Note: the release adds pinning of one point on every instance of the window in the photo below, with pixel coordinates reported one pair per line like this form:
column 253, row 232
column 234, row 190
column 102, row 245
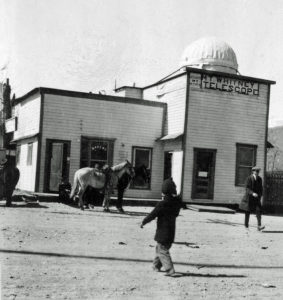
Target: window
column 18, row 154
column 96, row 151
column 29, row 154
column 245, row 160
column 142, row 164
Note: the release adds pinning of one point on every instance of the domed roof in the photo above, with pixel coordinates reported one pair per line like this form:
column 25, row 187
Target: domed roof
column 210, row 54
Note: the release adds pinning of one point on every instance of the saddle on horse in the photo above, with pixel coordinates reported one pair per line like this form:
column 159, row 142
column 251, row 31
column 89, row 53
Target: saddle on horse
column 104, row 174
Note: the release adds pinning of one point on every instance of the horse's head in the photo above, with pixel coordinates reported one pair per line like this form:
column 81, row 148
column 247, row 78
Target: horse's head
column 124, row 167
column 129, row 169
column 141, row 172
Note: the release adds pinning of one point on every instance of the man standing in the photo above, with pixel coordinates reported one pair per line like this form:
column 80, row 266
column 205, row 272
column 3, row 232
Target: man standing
column 9, row 178
column 251, row 201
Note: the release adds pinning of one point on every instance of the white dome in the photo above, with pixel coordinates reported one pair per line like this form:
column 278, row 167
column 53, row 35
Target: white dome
column 210, row 54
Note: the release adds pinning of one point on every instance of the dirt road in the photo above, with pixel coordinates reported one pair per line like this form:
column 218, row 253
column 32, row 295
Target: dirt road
column 53, row 251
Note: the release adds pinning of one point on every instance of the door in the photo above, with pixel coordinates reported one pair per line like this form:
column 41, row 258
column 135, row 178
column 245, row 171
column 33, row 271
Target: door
column 173, row 165
column 204, row 170
column 167, row 165
column 57, row 164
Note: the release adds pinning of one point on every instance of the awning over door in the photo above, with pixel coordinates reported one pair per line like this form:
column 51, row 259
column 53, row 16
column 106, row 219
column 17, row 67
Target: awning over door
column 172, row 136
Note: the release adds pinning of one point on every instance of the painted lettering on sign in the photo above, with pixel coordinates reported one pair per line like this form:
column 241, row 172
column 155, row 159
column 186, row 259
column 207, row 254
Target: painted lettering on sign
column 226, row 84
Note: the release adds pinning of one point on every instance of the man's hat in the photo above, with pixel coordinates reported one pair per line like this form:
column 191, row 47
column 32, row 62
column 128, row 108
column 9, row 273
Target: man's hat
column 3, row 161
column 255, row 168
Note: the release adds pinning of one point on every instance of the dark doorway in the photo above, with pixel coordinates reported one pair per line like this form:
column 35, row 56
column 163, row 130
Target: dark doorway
column 57, row 164
column 204, row 170
column 167, row 165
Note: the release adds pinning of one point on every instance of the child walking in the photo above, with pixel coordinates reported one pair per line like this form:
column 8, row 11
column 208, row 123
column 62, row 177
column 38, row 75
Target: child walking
column 166, row 213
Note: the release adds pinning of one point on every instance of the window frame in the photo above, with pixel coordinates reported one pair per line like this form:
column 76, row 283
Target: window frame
column 237, row 167
column 89, row 140
column 18, row 154
column 150, row 149
column 29, row 154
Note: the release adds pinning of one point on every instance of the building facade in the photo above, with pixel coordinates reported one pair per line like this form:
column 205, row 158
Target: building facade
column 205, row 125
column 62, row 131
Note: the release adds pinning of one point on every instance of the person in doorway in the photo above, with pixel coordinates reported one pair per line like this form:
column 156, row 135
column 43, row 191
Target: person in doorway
column 251, row 201
column 9, row 178
column 166, row 213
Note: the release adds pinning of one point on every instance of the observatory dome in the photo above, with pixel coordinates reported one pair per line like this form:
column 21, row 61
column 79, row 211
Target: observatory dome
column 211, row 54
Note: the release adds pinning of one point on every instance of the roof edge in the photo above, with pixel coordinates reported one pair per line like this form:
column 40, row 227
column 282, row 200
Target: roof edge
column 60, row 92
column 204, row 71
column 197, row 70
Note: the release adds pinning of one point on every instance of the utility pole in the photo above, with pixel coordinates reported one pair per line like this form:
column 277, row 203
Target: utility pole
column 7, row 112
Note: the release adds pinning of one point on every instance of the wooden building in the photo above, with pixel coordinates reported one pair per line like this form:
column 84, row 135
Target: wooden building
column 60, row 131
column 205, row 125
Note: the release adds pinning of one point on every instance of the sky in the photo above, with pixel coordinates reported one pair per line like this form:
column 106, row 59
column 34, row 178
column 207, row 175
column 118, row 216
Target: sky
column 88, row 45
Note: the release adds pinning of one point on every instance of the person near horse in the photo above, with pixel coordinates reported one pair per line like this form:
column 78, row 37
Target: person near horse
column 251, row 201
column 122, row 185
column 166, row 213
column 9, row 178
column 91, row 195
column 105, row 181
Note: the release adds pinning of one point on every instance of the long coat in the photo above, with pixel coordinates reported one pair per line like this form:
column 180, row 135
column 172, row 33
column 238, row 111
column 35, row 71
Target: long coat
column 166, row 213
column 9, row 176
column 250, row 203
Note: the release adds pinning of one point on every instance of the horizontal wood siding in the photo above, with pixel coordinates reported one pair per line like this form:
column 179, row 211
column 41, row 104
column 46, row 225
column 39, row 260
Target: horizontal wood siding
column 28, row 114
column 69, row 118
column 219, row 120
column 173, row 93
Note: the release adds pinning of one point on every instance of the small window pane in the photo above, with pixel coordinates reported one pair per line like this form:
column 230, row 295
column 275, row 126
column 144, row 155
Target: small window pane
column 84, row 163
column 243, row 173
column 245, row 160
column 99, row 151
column 29, row 154
column 96, row 151
column 18, row 154
column 246, row 156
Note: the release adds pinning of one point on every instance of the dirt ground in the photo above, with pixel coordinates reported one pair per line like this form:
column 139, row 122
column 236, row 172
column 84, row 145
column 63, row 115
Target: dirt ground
column 54, row 251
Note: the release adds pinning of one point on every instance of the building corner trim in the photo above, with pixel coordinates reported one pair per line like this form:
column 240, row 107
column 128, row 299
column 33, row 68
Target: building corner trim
column 184, row 140
column 39, row 146
column 265, row 143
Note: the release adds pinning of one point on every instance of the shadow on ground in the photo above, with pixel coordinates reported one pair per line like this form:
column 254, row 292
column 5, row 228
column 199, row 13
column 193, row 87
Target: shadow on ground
column 111, row 258
column 223, row 222
column 189, row 274
column 24, row 205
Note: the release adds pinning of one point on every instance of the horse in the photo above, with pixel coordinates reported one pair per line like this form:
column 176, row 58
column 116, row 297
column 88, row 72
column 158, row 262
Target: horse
column 8, row 180
column 107, row 180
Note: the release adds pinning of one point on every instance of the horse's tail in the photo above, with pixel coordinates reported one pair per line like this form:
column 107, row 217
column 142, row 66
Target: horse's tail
column 74, row 187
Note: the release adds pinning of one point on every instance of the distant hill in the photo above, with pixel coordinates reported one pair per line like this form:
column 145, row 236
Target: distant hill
column 275, row 155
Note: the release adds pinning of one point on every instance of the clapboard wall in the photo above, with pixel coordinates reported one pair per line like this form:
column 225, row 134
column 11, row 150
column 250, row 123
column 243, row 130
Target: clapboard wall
column 27, row 113
column 218, row 120
column 131, row 122
column 173, row 93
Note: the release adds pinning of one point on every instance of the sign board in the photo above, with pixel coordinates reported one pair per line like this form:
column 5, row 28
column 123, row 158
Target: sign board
column 11, row 125
column 202, row 174
column 225, row 84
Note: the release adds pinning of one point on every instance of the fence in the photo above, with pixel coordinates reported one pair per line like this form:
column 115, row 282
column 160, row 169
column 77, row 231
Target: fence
column 274, row 189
